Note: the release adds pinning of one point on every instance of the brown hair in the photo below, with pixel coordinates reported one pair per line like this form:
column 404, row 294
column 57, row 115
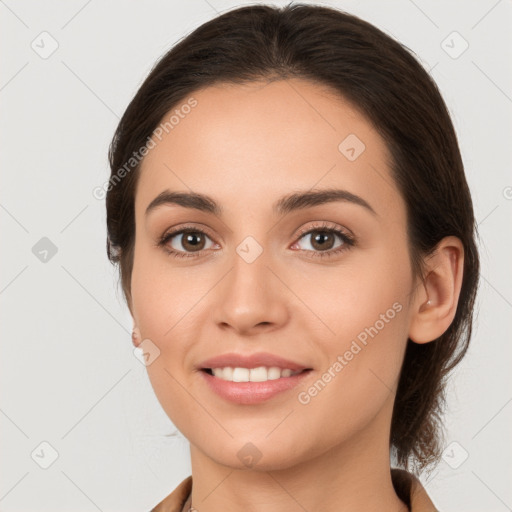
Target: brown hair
column 393, row 91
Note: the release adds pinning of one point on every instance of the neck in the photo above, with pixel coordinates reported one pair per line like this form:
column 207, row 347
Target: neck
column 352, row 476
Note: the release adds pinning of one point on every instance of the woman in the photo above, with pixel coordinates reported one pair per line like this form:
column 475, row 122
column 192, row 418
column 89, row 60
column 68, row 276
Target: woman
column 296, row 243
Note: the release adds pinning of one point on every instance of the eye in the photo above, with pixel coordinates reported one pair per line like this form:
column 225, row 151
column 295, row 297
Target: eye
column 186, row 241
column 324, row 240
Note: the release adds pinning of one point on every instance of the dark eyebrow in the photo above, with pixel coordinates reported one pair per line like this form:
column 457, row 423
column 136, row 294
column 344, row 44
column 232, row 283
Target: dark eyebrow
column 187, row 200
column 286, row 204
column 300, row 200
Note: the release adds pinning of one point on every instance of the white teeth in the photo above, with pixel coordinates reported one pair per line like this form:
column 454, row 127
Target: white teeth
column 241, row 375
column 260, row 374
column 227, row 373
column 273, row 373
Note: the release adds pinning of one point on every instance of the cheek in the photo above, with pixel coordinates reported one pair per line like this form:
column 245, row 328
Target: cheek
column 160, row 292
column 167, row 306
column 148, row 304
column 363, row 310
column 161, row 300
column 366, row 290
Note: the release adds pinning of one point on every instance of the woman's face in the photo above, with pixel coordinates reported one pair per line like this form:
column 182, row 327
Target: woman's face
column 269, row 274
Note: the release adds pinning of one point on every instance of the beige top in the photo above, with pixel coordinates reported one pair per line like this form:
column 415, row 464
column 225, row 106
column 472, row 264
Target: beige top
column 408, row 488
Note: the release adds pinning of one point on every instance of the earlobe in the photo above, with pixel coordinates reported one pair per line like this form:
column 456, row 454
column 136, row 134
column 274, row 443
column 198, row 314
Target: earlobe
column 136, row 336
column 434, row 310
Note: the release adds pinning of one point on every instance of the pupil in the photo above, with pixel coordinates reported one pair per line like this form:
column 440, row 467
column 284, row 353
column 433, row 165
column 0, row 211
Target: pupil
column 193, row 240
column 320, row 240
column 190, row 238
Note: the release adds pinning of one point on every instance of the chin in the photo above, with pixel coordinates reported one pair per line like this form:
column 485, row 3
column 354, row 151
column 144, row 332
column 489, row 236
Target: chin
column 255, row 456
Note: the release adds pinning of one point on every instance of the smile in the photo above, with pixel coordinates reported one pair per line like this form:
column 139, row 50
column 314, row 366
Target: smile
column 251, row 386
column 259, row 374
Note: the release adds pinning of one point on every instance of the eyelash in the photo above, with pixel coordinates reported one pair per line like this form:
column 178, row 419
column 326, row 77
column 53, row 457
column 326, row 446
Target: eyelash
column 348, row 240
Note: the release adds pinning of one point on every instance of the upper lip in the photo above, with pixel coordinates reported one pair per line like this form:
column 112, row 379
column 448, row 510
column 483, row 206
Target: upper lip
column 250, row 361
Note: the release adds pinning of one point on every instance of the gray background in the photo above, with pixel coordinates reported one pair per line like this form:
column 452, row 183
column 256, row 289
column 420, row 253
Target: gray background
column 68, row 373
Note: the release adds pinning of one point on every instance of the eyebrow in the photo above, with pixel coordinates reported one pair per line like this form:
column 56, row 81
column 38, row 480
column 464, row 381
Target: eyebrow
column 292, row 202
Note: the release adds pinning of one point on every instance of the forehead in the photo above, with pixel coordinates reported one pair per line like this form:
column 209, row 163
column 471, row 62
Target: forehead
column 248, row 144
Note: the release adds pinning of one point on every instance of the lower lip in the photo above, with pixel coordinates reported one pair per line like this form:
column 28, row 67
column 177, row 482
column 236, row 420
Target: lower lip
column 250, row 393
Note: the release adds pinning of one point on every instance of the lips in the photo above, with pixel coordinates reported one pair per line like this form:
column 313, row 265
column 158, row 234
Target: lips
column 251, row 361
column 255, row 391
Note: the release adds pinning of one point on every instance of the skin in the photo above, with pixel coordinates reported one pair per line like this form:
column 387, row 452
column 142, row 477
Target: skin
column 247, row 146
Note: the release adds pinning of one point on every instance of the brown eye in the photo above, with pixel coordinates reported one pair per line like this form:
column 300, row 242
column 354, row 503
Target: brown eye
column 323, row 240
column 189, row 241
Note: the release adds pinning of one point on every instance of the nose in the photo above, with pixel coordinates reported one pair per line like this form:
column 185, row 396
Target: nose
column 251, row 298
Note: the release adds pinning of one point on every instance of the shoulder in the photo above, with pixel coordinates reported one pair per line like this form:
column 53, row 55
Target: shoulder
column 411, row 491
column 174, row 502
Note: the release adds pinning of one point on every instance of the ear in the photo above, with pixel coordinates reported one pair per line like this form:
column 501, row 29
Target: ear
column 136, row 336
column 434, row 308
